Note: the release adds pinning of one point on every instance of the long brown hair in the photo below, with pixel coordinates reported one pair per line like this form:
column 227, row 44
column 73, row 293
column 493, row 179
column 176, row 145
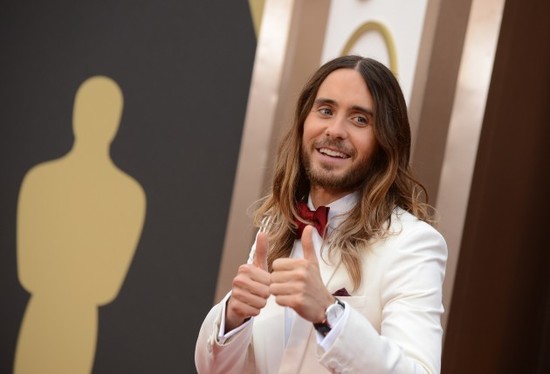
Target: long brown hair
column 389, row 183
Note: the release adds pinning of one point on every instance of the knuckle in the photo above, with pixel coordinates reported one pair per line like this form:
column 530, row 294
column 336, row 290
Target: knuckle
column 236, row 295
column 262, row 303
column 244, row 269
column 238, row 282
column 301, row 274
column 264, row 292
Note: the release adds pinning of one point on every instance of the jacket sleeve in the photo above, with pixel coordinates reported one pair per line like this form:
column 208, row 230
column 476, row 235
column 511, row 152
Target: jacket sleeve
column 234, row 355
column 410, row 336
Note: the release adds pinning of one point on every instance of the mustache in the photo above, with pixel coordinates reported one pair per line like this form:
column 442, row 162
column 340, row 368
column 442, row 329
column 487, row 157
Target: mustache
column 335, row 144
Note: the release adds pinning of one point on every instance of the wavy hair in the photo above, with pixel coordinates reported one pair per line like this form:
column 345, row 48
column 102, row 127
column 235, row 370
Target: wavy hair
column 389, row 182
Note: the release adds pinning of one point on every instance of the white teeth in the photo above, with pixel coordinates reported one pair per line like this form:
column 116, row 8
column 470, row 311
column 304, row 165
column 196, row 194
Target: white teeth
column 330, row 152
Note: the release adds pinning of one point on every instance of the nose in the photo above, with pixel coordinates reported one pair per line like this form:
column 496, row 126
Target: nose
column 336, row 128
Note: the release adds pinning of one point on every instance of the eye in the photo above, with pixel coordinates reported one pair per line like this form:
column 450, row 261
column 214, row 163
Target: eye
column 325, row 111
column 361, row 120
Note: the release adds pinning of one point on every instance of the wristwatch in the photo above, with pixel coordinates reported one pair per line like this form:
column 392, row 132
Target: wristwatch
column 332, row 315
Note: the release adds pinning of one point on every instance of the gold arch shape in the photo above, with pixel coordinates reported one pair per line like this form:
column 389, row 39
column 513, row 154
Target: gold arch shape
column 374, row 26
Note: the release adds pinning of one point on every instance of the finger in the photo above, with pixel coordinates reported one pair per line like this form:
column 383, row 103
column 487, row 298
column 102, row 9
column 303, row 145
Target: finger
column 307, row 244
column 260, row 256
column 251, row 299
column 288, row 288
column 237, row 312
column 282, row 264
column 251, row 274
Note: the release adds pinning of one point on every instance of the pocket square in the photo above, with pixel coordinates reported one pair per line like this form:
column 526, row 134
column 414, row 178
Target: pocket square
column 341, row 292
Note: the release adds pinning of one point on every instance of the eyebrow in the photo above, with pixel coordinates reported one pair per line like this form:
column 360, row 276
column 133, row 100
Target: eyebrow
column 358, row 108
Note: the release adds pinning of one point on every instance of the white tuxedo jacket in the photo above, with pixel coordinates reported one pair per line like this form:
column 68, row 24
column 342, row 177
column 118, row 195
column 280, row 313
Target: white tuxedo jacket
column 394, row 325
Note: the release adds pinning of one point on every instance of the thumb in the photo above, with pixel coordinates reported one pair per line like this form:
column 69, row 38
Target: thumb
column 260, row 256
column 307, row 244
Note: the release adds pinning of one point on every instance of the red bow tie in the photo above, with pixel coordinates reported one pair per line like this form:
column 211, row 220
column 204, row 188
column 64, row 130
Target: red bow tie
column 318, row 217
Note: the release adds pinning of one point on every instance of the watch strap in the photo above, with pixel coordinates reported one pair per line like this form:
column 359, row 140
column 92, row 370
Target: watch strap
column 324, row 327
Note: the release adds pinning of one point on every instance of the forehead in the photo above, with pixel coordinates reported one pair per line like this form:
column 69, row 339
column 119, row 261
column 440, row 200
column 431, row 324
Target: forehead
column 346, row 86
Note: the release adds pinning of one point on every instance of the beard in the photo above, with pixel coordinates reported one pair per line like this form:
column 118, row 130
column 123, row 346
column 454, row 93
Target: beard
column 324, row 176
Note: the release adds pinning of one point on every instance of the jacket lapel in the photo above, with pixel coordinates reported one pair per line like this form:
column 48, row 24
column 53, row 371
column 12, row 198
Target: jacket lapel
column 269, row 336
column 294, row 352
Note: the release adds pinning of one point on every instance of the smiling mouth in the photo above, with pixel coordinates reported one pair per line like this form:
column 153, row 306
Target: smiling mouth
column 332, row 153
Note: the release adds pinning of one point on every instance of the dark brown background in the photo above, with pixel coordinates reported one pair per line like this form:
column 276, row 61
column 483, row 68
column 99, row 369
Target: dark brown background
column 499, row 321
column 184, row 68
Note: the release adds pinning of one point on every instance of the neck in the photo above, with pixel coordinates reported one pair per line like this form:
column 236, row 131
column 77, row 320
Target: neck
column 323, row 197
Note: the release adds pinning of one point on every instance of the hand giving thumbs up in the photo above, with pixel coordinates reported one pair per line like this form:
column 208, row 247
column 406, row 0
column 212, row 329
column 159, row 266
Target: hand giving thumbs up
column 250, row 287
column 297, row 282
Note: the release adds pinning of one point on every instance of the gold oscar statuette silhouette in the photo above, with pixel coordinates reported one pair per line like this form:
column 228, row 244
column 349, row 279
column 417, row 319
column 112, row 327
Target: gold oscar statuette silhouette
column 79, row 220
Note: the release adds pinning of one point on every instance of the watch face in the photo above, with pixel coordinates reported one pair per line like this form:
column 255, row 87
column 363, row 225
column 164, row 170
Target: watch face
column 334, row 312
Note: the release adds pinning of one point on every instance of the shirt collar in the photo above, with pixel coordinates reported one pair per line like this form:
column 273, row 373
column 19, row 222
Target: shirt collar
column 338, row 208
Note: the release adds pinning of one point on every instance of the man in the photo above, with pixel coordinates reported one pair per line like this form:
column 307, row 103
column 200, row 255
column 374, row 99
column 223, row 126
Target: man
column 361, row 294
